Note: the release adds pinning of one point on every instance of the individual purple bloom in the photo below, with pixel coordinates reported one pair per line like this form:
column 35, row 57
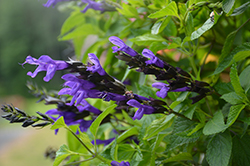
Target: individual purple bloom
column 45, row 64
column 53, row 3
column 112, row 96
column 143, row 109
column 165, row 88
column 123, row 163
column 105, row 142
column 153, row 59
column 97, row 66
column 93, row 5
column 123, row 47
column 87, row 107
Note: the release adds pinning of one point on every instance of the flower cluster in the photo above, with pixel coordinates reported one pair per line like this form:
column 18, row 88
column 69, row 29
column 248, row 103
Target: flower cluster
column 178, row 80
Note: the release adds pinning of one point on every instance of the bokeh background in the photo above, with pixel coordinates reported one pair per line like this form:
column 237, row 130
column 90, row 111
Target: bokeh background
column 27, row 28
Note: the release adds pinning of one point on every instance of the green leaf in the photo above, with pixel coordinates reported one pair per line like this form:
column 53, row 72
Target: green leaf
column 197, row 128
column 103, row 164
column 232, row 98
column 113, row 150
column 78, row 44
column 159, row 125
column 219, row 149
column 159, row 25
column 147, row 39
column 130, row 120
column 190, row 111
column 125, row 152
column 227, row 6
column 205, row 27
column 223, row 88
column 189, row 24
column 215, row 125
column 61, row 154
column 234, row 113
column 236, row 81
column 58, row 124
column 227, row 46
column 240, row 9
column 94, row 126
column 241, row 150
column 244, row 78
column 179, row 157
column 128, row 11
column 239, row 53
column 169, row 10
column 126, row 134
column 146, row 91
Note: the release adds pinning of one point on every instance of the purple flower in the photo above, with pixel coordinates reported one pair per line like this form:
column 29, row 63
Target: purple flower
column 105, row 142
column 165, row 88
column 143, row 109
column 88, row 107
column 112, row 96
column 153, row 59
column 93, row 5
column 45, row 64
column 123, row 163
column 123, row 47
column 97, row 66
column 53, row 3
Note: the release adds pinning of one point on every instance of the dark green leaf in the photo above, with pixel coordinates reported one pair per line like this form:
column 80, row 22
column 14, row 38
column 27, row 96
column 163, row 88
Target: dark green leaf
column 179, row 157
column 219, row 149
column 232, row 98
column 240, row 9
column 215, row 125
column 205, row 27
column 241, row 150
column 223, row 88
column 58, row 124
column 94, row 126
column 125, row 152
column 190, row 111
column 244, row 78
column 169, row 10
column 234, row 113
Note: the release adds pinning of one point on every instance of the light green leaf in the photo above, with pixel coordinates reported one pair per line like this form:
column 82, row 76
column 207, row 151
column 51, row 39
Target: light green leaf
column 189, row 24
column 61, row 154
column 125, row 152
column 159, row 25
column 159, row 125
column 103, row 164
column 239, row 53
column 136, row 2
column 190, row 111
column 215, row 125
column 244, row 78
column 147, row 39
column 219, row 149
column 232, row 98
column 58, row 124
column 197, row 128
column 241, row 150
column 234, row 113
column 205, row 27
column 126, row 134
column 240, row 9
column 130, row 120
column 128, row 11
column 227, row 6
column 94, row 126
column 169, row 10
column 184, row 156
column 114, row 150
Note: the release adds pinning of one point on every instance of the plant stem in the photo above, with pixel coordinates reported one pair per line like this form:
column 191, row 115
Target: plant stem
column 78, row 162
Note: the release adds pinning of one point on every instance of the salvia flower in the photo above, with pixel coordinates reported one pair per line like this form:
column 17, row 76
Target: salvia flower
column 97, row 66
column 123, row 47
column 123, row 163
column 105, row 142
column 153, row 59
column 93, row 5
column 53, row 3
column 45, row 63
column 143, row 109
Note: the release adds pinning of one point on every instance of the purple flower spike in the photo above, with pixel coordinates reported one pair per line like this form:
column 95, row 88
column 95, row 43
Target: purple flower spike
column 143, row 109
column 153, row 59
column 53, row 3
column 123, row 163
column 164, row 88
column 93, row 5
column 45, row 64
column 97, row 66
column 123, row 47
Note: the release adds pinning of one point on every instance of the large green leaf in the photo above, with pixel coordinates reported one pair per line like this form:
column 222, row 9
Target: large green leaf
column 232, row 98
column 227, row 6
column 234, row 113
column 244, row 78
column 241, row 150
column 205, row 27
column 94, row 126
column 215, row 125
column 169, row 10
column 239, row 53
column 125, row 152
column 147, row 39
column 219, row 149
column 179, row 157
column 159, row 25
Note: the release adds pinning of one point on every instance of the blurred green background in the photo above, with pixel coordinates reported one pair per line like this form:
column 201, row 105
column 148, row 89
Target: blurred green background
column 27, row 28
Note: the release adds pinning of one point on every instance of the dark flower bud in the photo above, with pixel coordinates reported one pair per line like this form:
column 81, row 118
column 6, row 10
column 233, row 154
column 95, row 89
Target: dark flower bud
column 41, row 124
column 28, row 123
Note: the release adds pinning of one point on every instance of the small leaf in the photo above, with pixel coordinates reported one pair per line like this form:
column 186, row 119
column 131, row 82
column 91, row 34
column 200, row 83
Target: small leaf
column 179, row 157
column 147, row 39
column 234, row 113
column 128, row 11
column 125, row 152
column 126, row 134
column 244, row 78
column 159, row 25
column 189, row 24
column 219, row 149
column 205, row 27
column 240, row 9
column 94, row 126
column 232, row 98
column 227, row 6
column 113, row 150
column 215, row 125
column 169, row 10
column 61, row 154
column 58, row 124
